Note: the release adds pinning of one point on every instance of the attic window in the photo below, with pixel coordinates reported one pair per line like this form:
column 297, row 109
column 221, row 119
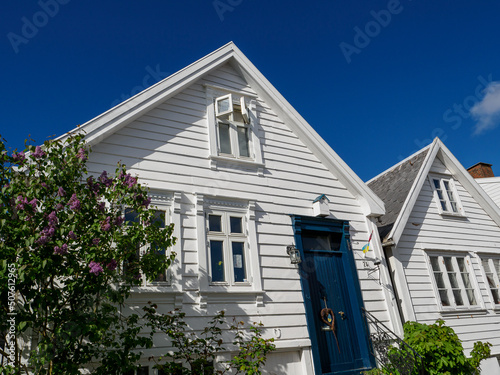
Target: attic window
column 224, row 105
column 232, row 124
column 446, row 195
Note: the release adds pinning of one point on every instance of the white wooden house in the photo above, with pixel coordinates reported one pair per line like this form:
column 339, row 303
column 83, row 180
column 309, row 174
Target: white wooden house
column 441, row 236
column 238, row 170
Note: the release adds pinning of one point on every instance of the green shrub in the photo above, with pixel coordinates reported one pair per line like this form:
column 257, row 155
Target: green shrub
column 440, row 349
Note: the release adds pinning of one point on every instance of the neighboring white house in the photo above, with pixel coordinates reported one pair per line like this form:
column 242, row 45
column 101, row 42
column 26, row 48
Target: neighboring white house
column 441, row 236
column 243, row 176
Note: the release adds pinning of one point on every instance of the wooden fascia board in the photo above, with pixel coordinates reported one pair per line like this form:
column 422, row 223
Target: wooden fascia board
column 411, row 198
column 469, row 183
column 370, row 203
column 117, row 117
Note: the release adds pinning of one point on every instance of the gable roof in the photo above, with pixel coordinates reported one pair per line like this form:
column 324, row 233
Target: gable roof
column 124, row 113
column 400, row 186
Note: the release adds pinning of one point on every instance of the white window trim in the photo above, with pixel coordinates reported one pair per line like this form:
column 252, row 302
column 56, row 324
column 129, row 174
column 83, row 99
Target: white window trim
column 250, row 291
column 255, row 158
column 227, row 238
column 496, row 276
column 170, row 203
column 472, row 276
column 451, row 181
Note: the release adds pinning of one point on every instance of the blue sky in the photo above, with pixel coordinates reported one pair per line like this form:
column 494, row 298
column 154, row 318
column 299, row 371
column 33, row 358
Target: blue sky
column 377, row 79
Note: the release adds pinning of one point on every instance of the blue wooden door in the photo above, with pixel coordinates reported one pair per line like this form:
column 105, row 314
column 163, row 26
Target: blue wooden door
column 332, row 297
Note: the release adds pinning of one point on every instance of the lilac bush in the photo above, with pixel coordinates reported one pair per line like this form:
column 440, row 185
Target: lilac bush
column 64, row 240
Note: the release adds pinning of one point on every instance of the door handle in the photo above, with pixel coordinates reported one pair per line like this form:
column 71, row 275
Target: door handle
column 342, row 315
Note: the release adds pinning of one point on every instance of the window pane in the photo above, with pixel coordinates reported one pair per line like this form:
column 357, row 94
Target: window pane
column 453, row 280
column 159, row 218
column 448, row 264
column 445, row 301
column 458, row 297
column 236, row 225
column 217, row 260
column 435, row 263
column 321, row 240
column 214, row 223
column 131, row 216
column 471, row 297
column 239, row 261
column 439, row 280
column 496, row 297
column 143, row 370
column 224, row 139
column 243, row 141
column 223, row 105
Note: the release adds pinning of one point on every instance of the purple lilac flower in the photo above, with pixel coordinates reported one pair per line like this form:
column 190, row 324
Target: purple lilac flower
column 119, row 221
column 95, row 268
column 74, row 203
column 105, row 180
column 101, row 206
column 33, row 203
column 59, row 206
column 96, row 241
column 105, row 225
column 44, row 185
column 38, row 152
column 21, row 202
column 61, row 192
column 72, row 235
column 19, row 157
column 112, row 265
column 61, row 250
column 43, row 240
column 52, row 218
column 81, row 155
column 146, row 202
column 130, row 181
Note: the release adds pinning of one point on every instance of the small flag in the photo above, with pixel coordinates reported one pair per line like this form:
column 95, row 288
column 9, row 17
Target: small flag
column 367, row 246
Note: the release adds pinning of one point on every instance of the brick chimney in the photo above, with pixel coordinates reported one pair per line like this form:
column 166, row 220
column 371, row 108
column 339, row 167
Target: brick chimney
column 481, row 170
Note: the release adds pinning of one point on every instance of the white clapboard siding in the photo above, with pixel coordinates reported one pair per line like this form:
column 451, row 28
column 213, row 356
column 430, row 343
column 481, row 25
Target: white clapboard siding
column 425, row 230
column 168, row 147
column 492, row 187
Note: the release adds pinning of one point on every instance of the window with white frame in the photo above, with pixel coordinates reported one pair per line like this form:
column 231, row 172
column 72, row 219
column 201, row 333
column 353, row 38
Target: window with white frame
column 233, row 138
column 491, row 268
column 446, row 195
column 161, row 218
column 227, row 245
column 453, row 281
column 233, row 122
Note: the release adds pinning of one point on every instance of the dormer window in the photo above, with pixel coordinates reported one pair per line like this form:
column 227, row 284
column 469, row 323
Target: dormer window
column 446, row 195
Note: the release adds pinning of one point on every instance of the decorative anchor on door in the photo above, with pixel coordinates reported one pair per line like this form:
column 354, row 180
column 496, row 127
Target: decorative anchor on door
column 328, row 317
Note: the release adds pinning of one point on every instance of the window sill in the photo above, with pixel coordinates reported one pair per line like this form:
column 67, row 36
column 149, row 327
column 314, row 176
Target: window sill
column 155, row 289
column 461, row 312
column 219, row 294
column 215, row 159
column 452, row 214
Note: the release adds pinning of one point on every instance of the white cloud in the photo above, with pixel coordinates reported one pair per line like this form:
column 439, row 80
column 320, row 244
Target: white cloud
column 487, row 111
